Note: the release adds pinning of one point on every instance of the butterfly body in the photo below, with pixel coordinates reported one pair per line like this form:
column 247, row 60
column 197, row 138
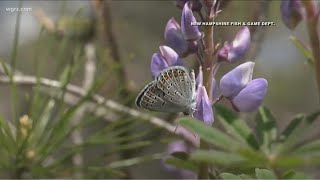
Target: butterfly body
column 173, row 90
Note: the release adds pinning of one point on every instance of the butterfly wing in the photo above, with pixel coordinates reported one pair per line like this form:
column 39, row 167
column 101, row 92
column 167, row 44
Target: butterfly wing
column 177, row 84
column 154, row 99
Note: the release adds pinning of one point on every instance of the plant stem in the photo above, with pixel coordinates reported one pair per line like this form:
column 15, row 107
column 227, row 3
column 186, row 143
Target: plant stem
column 209, row 61
column 207, row 81
column 312, row 22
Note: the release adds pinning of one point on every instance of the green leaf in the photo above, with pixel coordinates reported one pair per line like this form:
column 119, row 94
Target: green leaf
column 297, row 135
column 288, row 174
column 42, row 123
column 218, row 158
column 134, row 161
column 115, row 173
column 229, row 176
column 183, row 164
column 236, row 127
column 286, row 161
column 6, row 68
column 255, row 158
column 265, row 174
column 266, row 128
column 245, row 177
column 210, row 134
column 299, row 175
column 294, row 175
column 312, row 117
column 292, row 126
column 311, row 148
column 303, row 49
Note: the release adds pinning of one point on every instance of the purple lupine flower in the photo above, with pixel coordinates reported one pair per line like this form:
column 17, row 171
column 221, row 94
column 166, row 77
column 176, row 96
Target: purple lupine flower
column 195, row 5
column 203, row 110
column 190, row 33
column 251, row 97
column 165, row 58
column 237, row 48
column 292, row 12
column 199, row 82
column 174, row 38
column 245, row 94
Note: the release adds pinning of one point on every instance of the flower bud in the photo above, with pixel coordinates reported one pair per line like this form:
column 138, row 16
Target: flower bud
column 250, row 98
column 190, row 33
column 203, row 110
column 165, row 58
column 199, row 82
column 195, row 5
column 292, row 12
column 180, row 3
column 235, row 80
column 239, row 46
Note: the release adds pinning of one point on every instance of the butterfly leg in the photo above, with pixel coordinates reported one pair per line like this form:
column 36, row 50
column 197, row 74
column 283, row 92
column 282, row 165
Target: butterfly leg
column 175, row 129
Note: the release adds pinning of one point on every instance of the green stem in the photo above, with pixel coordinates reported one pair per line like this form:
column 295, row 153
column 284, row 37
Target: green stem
column 203, row 172
column 312, row 22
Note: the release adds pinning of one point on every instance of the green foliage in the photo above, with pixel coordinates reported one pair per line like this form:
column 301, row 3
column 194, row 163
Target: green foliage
column 243, row 150
column 262, row 174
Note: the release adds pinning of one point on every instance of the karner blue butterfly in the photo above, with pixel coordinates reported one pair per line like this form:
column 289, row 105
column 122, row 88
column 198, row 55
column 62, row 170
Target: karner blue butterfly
column 173, row 90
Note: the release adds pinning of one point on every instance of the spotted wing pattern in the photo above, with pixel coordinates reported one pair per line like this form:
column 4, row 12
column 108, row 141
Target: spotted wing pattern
column 153, row 98
column 173, row 90
column 177, row 84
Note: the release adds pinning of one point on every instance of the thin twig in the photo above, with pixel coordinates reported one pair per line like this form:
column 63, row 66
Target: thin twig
column 27, row 80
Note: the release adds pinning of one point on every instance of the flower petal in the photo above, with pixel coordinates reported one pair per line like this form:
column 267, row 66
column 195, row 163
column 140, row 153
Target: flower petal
column 165, row 58
column 199, row 79
column 178, row 146
column 238, row 47
column 235, row 80
column 171, row 57
column 251, row 97
column 158, row 63
column 203, row 110
column 189, row 32
column 174, row 38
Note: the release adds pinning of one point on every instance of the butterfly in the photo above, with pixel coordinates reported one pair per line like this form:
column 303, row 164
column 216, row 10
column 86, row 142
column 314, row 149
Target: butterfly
column 173, row 90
